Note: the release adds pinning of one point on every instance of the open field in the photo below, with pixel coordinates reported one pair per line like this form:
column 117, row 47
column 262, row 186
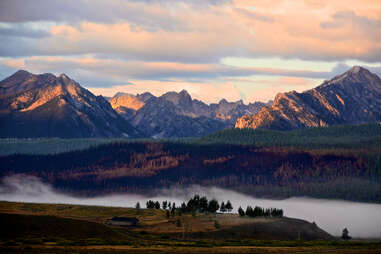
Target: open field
column 189, row 250
column 49, row 228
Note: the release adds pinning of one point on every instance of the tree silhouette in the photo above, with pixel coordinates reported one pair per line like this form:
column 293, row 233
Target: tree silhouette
column 137, row 206
column 223, row 207
column 241, row 212
column 229, row 206
column 345, row 234
column 213, row 206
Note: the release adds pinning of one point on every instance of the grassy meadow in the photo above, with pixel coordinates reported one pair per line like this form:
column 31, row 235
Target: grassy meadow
column 61, row 228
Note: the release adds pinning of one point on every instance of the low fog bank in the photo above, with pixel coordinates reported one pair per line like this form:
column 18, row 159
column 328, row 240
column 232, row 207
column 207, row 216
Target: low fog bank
column 362, row 219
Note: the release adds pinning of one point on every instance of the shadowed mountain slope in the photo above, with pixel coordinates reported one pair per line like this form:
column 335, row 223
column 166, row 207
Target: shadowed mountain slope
column 49, row 106
column 351, row 98
column 178, row 115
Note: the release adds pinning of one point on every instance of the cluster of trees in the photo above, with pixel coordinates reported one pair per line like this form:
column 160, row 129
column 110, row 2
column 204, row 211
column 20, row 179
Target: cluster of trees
column 260, row 212
column 196, row 204
column 203, row 205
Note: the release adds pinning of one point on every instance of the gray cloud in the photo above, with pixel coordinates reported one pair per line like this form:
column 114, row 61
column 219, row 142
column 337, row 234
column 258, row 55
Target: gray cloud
column 111, row 72
column 22, row 30
column 341, row 19
column 208, row 46
column 254, row 15
column 367, row 25
column 121, row 71
column 195, row 3
column 74, row 11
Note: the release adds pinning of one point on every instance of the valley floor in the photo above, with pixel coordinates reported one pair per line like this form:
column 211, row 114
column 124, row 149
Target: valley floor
column 189, row 250
column 51, row 228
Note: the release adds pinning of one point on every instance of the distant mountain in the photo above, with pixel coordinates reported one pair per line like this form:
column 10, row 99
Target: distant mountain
column 49, row 106
column 178, row 115
column 351, row 98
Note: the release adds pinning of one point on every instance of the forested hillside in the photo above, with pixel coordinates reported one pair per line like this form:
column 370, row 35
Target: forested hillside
column 348, row 137
column 366, row 136
column 261, row 172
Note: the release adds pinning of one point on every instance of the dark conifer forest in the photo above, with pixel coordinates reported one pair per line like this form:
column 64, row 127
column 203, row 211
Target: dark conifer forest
column 261, row 171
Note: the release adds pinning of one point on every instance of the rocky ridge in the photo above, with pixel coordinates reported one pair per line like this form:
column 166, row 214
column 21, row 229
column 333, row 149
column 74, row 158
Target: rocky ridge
column 56, row 106
column 178, row 115
column 350, row 98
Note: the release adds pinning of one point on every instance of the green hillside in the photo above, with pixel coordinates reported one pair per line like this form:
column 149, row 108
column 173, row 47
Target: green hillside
column 365, row 136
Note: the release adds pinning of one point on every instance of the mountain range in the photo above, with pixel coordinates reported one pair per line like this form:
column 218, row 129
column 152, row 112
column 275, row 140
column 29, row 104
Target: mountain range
column 178, row 115
column 46, row 105
column 350, row 98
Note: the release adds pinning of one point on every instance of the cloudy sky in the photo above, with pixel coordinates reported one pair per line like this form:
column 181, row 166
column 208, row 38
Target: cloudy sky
column 233, row 49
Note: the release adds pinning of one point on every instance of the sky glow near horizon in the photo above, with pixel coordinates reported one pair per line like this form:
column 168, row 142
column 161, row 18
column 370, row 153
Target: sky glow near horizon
column 233, row 49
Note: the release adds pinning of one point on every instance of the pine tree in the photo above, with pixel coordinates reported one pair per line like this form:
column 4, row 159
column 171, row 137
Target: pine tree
column 241, row 212
column 213, row 206
column 203, row 204
column 150, row 204
column 249, row 211
column 229, row 206
column 345, row 234
column 223, row 208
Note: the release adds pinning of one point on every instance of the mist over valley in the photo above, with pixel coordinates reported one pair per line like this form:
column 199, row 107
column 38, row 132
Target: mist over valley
column 361, row 219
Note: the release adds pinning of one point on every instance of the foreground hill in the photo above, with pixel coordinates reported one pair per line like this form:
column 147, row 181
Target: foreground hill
column 59, row 221
column 178, row 115
column 49, row 106
column 351, row 98
column 43, row 228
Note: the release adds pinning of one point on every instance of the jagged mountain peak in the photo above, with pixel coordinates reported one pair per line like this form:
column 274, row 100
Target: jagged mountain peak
column 21, row 73
column 145, row 96
column 63, row 76
column 355, row 75
column 184, row 93
column 23, row 80
column 353, row 97
column 119, row 94
column 45, row 105
column 357, row 69
column 122, row 101
column 223, row 101
column 180, row 98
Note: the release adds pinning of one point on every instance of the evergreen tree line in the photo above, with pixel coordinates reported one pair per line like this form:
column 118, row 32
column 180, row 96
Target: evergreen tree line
column 196, row 204
column 260, row 212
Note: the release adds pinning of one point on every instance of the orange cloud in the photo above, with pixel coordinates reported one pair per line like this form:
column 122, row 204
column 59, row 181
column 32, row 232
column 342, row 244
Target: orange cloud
column 281, row 28
column 265, row 90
